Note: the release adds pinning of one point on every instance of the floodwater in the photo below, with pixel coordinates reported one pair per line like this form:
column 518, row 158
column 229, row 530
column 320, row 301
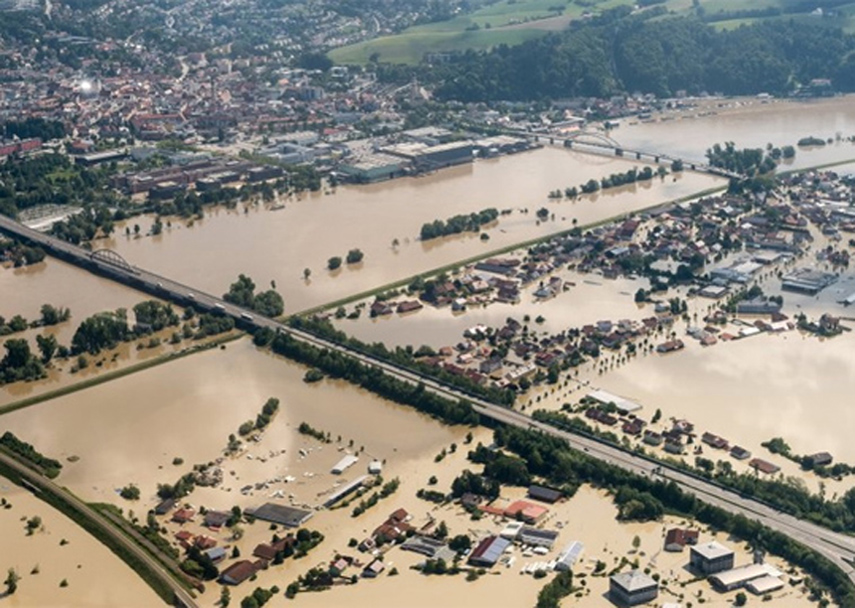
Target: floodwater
column 278, row 245
column 751, row 390
column 591, row 299
column 750, row 123
column 95, row 577
column 130, row 430
column 24, row 290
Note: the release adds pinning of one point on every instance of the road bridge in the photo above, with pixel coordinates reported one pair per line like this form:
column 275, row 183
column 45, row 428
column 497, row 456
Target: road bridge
column 839, row 548
column 602, row 143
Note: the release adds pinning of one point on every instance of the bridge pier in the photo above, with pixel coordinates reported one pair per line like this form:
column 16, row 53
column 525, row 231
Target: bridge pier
column 568, row 143
column 656, row 159
column 618, row 152
column 638, row 156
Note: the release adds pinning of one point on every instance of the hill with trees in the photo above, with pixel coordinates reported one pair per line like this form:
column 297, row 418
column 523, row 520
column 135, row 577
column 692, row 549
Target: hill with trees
column 618, row 53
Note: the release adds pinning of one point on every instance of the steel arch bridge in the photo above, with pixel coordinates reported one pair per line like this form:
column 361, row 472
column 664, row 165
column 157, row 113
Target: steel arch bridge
column 592, row 137
column 111, row 258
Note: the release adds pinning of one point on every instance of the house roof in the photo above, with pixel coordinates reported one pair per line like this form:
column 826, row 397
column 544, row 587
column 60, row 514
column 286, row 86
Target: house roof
column 712, row 550
column 633, row 581
column 238, row 572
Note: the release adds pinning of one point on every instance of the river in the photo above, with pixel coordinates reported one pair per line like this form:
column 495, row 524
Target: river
column 279, row 245
column 749, row 123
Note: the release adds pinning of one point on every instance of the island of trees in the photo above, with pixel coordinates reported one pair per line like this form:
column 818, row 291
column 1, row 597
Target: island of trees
column 242, row 293
column 458, row 224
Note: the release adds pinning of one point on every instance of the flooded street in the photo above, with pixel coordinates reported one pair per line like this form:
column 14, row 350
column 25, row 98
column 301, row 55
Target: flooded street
column 591, row 299
column 279, row 245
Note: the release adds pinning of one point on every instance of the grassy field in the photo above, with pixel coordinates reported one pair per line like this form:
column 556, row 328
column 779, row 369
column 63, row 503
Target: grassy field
column 513, row 22
column 508, row 22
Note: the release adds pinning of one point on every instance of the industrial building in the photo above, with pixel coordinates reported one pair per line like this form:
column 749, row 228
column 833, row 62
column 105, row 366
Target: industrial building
column 345, row 490
column 371, row 168
column 282, row 515
column 345, row 463
column 569, row 556
column 488, row 551
column 736, row 578
column 537, row 537
column 807, row 281
column 430, row 158
column 605, row 397
column 711, row 557
column 632, row 588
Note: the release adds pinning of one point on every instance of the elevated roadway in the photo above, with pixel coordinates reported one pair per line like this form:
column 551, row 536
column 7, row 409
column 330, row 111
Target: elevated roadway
column 839, row 548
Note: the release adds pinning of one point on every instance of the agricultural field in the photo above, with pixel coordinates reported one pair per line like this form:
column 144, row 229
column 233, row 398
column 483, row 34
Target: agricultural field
column 513, row 22
column 508, row 22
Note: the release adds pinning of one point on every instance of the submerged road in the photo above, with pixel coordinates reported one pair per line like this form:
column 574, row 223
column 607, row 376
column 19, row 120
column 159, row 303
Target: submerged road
column 835, row 546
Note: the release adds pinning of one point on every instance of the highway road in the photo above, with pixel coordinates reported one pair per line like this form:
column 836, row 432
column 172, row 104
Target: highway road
column 43, row 484
column 835, row 546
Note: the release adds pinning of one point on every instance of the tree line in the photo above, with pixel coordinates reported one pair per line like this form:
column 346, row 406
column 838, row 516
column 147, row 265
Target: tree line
column 338, row 365
column 552, row 459
column 405, row 357
column 616, row 53
column 457, row 224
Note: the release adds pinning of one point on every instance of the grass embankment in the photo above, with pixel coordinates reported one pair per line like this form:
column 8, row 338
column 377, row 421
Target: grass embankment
column 44, row 491
column 119, row 373
column 495, row 252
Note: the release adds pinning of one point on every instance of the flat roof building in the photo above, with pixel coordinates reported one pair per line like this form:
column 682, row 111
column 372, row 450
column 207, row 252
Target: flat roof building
column 632, row 588
column 537, row 537
column 282, row 515
column 606, row 397
column 736, row 578
column 544, row 494
column 345, row 463
column 764, row 585
column 711, row 557
column 345, row 490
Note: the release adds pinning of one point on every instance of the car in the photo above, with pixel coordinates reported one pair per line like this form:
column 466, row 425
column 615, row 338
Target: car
column 220, row 307
column 246, row 316
column 191, row 296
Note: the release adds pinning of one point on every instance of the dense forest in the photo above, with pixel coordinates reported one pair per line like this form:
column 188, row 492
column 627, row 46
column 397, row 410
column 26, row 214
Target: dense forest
column 619, row 53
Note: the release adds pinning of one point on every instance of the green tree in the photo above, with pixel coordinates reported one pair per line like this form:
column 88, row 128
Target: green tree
column 354, row 256
column 12, row 579
column 334, row 263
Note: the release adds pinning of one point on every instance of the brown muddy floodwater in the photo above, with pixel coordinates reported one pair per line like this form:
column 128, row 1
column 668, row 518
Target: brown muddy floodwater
column 749, row 123
column 753, row 389
column 24, row 290
column 278, row 245
column 129, row 430
column 95, row 577
column 592, row 299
